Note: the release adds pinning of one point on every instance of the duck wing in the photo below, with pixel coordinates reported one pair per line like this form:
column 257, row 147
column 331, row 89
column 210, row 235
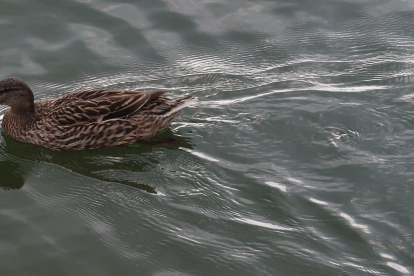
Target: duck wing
column 98, row 105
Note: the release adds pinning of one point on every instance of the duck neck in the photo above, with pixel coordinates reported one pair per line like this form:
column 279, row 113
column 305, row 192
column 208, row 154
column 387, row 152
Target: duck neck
column 25, row 113
column 17, row 122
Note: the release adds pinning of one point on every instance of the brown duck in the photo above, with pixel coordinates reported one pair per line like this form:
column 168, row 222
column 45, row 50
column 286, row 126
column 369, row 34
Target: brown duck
column 87, row 119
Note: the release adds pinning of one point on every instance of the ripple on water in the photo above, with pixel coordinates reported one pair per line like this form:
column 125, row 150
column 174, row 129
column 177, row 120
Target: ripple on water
column 297, row 157
column 345, row 136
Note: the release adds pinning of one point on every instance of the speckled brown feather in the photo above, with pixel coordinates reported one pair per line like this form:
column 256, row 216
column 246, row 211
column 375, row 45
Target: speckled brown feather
column 94, row 118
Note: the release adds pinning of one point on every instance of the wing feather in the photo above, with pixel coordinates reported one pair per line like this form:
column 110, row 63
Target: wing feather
column 99, row 105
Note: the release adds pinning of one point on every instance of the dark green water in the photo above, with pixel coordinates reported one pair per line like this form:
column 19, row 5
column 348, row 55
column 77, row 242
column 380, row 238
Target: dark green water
column 297, row 160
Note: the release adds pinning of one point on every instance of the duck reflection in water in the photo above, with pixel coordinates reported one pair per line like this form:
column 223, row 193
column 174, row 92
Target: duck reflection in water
column 13, row 174
column 17, row 160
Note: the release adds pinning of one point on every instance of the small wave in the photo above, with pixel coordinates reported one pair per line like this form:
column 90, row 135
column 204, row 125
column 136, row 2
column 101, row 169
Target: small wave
column 344, row 136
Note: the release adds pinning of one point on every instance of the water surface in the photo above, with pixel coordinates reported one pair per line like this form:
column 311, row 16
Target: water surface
column 297, row 160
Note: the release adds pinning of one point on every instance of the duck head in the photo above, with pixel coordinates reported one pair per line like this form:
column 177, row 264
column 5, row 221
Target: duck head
column 17, row 94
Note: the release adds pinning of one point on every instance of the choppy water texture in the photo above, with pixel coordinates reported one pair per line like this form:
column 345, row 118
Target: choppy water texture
column 297, row 160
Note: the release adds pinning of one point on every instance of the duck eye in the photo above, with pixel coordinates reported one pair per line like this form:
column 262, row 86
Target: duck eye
column 9, row 89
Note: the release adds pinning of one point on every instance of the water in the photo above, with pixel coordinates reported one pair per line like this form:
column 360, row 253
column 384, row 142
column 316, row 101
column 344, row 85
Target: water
column 297, row 160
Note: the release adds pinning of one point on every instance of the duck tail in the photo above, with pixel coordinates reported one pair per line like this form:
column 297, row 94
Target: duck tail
column 180, row 104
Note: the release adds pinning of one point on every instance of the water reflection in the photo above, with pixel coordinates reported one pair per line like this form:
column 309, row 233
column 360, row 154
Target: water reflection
column 110, row 164
column 13, row 174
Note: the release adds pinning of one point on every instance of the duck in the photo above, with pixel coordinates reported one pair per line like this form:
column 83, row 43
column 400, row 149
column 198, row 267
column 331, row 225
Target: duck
column 86, row 119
